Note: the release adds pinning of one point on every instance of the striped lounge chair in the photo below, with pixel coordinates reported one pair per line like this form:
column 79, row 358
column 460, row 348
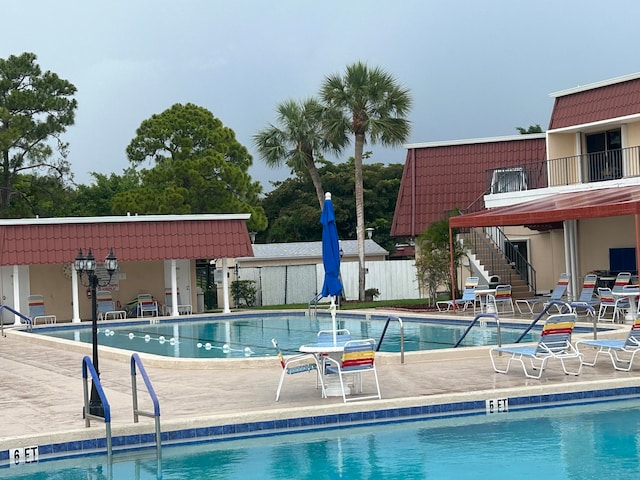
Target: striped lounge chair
column 586, row 300
column 556, row 295
column 621, row 352
column 555, row 343
column 358, row 358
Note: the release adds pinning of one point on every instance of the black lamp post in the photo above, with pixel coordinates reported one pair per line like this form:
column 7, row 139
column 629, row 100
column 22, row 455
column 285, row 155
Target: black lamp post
column 87, row 265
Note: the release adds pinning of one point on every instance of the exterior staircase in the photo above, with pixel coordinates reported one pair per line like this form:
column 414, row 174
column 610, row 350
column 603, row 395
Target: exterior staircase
column 486, row 256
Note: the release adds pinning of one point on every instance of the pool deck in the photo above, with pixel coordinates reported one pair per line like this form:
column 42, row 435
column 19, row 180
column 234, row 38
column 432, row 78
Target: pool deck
column 41, row 393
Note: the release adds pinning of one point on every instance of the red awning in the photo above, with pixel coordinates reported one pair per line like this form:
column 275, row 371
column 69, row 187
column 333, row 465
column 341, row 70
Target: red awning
column 605, row 202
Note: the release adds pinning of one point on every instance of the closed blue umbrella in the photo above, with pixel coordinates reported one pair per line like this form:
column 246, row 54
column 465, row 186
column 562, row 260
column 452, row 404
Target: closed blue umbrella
column 332, row 286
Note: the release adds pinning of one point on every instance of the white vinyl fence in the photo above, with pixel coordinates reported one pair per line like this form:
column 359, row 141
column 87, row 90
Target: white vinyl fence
column 395, row 280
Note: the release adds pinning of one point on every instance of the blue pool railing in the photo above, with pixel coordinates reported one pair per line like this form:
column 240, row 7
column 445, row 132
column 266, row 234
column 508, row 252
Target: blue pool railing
column 136, row 362
column 87, row 367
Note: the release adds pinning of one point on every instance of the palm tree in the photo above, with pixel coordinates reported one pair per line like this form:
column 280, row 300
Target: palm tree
column 296, row 140
column 365, row 102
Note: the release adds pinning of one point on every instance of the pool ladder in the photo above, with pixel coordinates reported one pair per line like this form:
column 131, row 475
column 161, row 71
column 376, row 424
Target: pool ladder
column 136, row 365
column 384, row 330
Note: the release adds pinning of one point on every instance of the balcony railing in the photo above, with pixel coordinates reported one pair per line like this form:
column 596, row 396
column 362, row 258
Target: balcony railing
column 585, row 168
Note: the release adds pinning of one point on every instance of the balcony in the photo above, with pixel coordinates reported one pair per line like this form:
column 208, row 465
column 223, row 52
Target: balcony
column 558, row 172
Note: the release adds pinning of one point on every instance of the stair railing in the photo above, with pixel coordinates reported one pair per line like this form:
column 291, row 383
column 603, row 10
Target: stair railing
column 503, row 257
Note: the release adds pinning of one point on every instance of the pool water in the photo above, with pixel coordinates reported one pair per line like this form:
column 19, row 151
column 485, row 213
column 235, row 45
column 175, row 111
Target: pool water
column 251, row 335
column 577, row 442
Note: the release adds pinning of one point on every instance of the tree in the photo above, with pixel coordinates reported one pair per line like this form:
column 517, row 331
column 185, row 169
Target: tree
column 532, row 129
column 296, row 140
column 35, row 109
column 366, row 103
column 292, row 208
column 433, row 262
column 97, row 199
column 199, row 167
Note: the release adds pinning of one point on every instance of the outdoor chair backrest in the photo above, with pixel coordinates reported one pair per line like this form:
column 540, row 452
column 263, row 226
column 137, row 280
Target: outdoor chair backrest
column 556, row 333
column 326, row 336
column 588, row 287
column 105, row 301
column 561, row 286
column 146, row 303
column 621, row 280
column 503, row 293
column 358, row 355
column 469, row 294
column 471, row 282
column 606, row 297
column 36, row 306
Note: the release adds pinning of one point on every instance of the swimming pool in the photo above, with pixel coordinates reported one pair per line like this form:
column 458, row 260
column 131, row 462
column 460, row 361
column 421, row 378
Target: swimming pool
column 572, row 442
column 250, row 335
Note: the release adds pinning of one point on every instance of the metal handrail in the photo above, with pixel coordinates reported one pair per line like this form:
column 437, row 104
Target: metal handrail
column 136, row 362
column 518, row 260
column 487, row 245
column 384, row 330
column 473, row 322
column 87, row 366
column 314, row 302
column 27, row 320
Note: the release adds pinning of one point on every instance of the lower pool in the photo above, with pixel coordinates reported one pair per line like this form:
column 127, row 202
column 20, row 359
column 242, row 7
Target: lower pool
column 573, row 442
column 250, row 335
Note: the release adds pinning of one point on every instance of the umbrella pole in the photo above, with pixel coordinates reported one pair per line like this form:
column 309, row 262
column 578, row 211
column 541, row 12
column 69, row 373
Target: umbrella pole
column 332, row 309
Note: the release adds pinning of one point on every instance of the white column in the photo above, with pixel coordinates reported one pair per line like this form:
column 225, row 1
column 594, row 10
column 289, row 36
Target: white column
column 16, row 294
column 174, row 289
column 75, row 300
column 225, row 286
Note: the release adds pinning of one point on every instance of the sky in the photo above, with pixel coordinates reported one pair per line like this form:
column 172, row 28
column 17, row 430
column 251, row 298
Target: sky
column 474, row 69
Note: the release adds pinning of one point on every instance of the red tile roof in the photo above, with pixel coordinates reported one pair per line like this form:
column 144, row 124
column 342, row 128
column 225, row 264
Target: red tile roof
column 604, row 202
column 438, row 178
column 136, row 238
column 586, row 105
